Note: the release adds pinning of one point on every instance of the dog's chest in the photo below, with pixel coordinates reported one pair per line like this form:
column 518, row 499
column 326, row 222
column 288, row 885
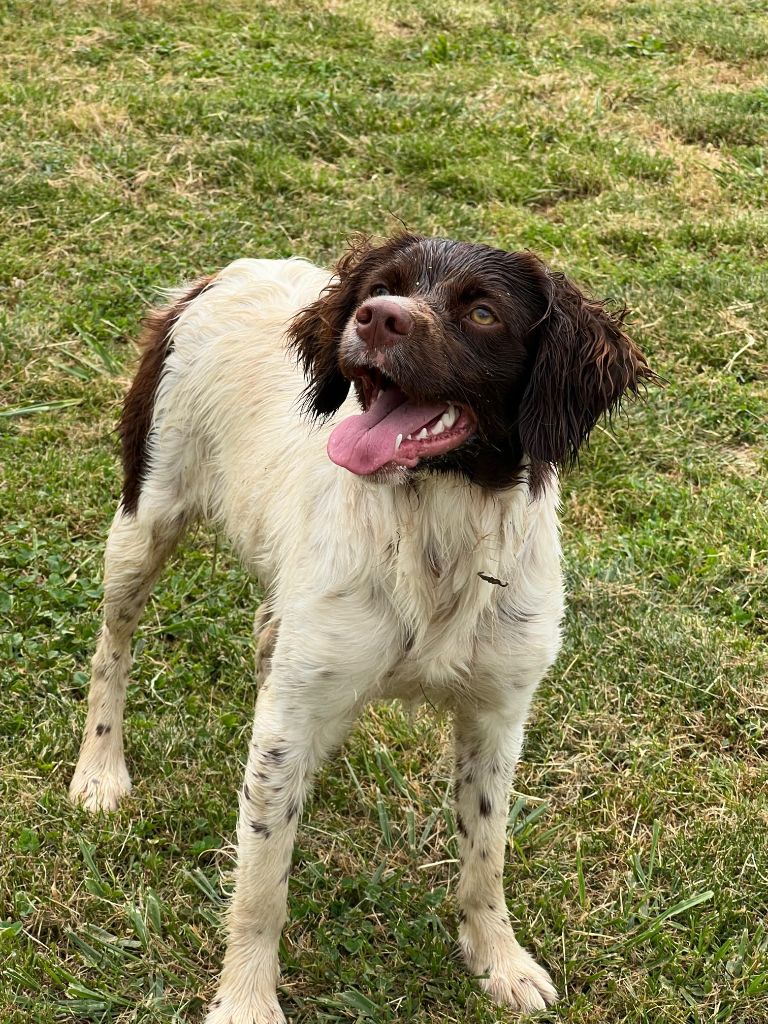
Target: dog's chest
column 440, row 592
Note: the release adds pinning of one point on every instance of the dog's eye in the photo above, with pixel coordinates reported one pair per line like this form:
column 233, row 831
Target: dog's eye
column 482, row 315
column 378, row 290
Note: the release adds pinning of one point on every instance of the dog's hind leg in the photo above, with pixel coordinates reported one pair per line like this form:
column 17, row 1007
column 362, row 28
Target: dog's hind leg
column 138, row 546
column 155, row 509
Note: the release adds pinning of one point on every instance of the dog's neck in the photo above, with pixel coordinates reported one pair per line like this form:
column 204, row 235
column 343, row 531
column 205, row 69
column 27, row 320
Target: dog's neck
column 445, row 518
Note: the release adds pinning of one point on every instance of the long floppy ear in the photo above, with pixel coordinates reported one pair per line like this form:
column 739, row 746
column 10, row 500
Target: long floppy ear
column 315, row 332
column 584, row 365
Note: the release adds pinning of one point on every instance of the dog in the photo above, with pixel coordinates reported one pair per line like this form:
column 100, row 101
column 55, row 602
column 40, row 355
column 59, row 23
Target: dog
column 381, row 445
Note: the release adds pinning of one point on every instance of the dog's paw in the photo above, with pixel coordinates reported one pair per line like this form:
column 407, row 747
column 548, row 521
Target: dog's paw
column 99, row 790
column 237, row 1010
column 516, row 980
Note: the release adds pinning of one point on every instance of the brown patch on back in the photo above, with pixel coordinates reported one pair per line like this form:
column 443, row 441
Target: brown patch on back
column 136, row 419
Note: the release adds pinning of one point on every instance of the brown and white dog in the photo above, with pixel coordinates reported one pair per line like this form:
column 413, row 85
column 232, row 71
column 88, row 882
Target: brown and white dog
column 406, row 535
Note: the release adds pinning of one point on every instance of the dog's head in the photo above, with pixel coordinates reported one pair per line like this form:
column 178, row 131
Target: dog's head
column 464, row 358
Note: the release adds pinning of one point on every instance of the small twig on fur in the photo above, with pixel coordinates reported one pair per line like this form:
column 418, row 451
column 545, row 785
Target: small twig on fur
column 492, row 579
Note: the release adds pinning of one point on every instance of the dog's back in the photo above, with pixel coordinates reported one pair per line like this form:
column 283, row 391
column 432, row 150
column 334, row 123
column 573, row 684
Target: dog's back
column 210, row 425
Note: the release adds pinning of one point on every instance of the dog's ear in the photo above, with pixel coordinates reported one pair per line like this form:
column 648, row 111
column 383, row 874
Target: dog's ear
column 583, row 365
column 315, row 332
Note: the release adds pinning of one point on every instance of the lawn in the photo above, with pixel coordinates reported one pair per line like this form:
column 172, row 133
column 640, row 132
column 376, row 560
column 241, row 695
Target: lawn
column 145, row 142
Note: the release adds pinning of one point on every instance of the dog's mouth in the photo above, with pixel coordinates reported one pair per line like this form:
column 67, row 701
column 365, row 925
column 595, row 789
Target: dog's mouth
column 394, row 429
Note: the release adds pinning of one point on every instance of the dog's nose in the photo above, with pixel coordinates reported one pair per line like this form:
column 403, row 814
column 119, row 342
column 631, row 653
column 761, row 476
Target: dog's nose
column 381, row 322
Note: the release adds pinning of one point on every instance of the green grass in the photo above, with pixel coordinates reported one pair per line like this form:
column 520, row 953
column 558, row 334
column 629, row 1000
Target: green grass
column 147, row 142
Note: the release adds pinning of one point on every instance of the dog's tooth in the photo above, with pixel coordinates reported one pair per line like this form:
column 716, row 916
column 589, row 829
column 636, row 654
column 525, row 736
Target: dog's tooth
column 450, row 416
column 409, row 438
column 424, row 433
column 398, row 441
column 439, row 427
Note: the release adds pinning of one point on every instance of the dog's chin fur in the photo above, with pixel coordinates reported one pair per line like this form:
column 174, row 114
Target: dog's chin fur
column 396, row 476
column 447, row 590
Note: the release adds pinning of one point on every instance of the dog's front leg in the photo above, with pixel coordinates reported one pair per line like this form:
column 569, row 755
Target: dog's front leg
column 293, row 730
column 488, row 745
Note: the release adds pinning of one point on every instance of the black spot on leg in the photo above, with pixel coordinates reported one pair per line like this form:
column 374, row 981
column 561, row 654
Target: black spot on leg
column 260, row 829
column 102, row 729
column 456, row 789
column 462, row 917
column 461, row 828
column 485, row 806
column 491, row 906
column 483, row 854
column 215, row 1003
column 276, row 755
column 246, row 791
column 115, row 655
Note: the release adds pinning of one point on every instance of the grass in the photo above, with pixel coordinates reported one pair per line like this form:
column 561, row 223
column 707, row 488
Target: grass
column 151, row 141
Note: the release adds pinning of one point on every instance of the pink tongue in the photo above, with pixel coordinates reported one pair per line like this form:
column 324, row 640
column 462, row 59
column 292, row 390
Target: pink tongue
column 362, row 444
